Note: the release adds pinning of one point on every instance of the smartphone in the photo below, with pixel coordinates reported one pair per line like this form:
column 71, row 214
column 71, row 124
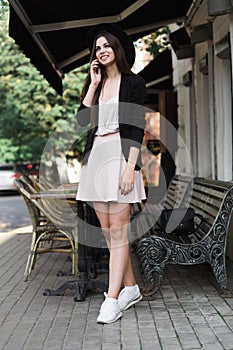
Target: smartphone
column 97, row 69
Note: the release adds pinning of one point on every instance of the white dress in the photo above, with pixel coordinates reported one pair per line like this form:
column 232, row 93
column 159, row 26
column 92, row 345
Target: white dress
column 100, row 177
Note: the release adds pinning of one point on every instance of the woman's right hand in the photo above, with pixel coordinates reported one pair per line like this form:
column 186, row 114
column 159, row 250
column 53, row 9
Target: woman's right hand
column 95, row 72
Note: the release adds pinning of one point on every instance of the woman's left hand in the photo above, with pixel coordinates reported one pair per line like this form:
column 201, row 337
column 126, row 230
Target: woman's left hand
column 127, row 180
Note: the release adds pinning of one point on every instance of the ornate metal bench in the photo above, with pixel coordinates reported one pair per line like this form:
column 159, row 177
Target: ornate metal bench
column 214, row 200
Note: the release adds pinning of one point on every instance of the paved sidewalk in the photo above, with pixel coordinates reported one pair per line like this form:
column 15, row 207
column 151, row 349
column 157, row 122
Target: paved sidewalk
column 187, row 313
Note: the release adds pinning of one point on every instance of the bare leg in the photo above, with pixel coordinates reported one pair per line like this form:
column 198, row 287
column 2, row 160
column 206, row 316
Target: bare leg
column 114, row 219
column 119, row 256
column 102, row 212
column 129, row 279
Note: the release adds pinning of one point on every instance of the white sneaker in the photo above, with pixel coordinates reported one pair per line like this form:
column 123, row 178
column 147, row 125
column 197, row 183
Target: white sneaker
column 109, row 311
column 128, row 298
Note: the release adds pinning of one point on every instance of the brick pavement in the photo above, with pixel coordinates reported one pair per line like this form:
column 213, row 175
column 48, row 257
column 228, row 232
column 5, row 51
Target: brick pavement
column 187, row 314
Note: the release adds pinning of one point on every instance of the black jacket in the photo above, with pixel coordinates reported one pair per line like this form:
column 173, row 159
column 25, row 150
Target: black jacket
column 132, row 98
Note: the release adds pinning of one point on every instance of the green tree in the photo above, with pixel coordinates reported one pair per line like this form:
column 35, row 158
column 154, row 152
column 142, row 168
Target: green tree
column 30, row 109
column 158, row 41
column 4, row 5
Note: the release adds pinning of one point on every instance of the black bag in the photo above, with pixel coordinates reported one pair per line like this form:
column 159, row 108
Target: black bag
column 179, row 220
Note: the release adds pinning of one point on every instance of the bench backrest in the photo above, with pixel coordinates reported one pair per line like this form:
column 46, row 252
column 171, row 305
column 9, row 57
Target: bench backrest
column 213, row 199
column 208, row 197
column 178, row 191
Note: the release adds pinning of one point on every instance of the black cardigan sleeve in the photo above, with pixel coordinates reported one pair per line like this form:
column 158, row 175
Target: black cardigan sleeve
column 137, row 110
column 83, row 115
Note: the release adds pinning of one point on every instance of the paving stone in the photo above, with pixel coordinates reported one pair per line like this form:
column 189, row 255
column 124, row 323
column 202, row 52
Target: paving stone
column 213, row 347
column 150, row 345
column 189, row 340
column 169, row 343
column 113, row 347
column 187, row 313
column 226, row 339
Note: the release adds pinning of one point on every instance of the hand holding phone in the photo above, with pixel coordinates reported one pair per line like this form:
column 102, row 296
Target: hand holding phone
column 95, row 71
column 95, row 66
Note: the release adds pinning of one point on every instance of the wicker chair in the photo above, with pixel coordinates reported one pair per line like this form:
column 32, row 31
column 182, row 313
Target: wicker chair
column 52, row 231
column 40, row 182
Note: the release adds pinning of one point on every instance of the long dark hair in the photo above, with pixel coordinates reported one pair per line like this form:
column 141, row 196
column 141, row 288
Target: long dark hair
column 121, row 63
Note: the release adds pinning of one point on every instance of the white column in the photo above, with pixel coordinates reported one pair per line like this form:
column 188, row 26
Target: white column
column 211, row 107
column 224, row 121
column 231, row 40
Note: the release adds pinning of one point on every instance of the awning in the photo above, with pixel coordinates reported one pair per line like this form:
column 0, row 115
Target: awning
column 53, row 33
column 158, row 75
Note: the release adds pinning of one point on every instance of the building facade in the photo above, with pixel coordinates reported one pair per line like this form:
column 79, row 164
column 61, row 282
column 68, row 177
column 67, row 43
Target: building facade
column 203, row 79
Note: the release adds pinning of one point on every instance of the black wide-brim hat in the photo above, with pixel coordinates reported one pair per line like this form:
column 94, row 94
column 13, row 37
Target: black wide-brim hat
column 125, row 40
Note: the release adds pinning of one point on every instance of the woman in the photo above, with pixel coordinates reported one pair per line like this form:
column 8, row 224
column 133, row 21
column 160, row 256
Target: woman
column 110, row 176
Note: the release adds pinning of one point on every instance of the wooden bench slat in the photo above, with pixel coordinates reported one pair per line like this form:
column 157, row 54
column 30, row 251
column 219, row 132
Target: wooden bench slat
column 203, row 209
column 213, row 206
column 169, row 203
column 209, row 191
